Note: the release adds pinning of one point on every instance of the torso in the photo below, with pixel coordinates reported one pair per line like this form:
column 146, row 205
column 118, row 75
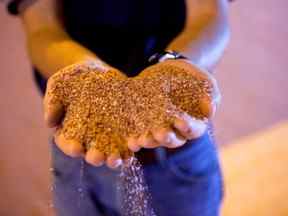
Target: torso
column 124, row 33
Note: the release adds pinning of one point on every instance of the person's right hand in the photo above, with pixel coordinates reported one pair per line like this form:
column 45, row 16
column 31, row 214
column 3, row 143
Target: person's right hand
column 55, row 110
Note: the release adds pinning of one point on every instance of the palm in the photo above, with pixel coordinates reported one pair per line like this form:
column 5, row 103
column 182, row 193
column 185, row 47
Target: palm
column 102, row 109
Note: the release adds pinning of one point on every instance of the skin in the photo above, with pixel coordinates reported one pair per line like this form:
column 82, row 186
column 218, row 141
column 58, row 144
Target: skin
column 50, row 49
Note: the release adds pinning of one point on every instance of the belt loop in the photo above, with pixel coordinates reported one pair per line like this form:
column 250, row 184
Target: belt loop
column 161, row 155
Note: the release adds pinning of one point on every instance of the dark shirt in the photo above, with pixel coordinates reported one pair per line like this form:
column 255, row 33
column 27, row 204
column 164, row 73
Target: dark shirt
column 123, row 33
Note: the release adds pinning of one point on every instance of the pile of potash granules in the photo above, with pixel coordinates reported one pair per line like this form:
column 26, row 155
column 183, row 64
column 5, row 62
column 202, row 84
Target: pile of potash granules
column 103, row 108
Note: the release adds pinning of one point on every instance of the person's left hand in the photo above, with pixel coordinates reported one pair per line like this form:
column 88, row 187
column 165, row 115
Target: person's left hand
column 185, row 127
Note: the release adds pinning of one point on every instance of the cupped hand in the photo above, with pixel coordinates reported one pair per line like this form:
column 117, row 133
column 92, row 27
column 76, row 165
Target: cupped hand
column 101, row 114
column 60, row 102
column 184, row 126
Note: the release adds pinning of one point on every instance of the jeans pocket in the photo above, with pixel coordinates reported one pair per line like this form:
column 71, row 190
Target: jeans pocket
column 197, row 162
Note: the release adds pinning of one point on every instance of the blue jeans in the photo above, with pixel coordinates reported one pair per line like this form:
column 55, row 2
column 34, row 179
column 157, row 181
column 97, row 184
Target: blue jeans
column 188, row 183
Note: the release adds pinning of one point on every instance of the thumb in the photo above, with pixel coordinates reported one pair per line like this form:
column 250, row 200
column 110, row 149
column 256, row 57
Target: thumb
column 53, row 107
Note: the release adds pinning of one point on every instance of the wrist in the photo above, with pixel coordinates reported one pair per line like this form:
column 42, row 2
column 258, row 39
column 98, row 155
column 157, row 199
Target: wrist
column 173, row 55
column 86, row 66
column 95, row 64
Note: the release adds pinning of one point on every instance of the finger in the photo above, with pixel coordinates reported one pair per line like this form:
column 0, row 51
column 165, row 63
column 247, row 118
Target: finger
column 127, row 157
column 147, row 140
column 95, row 157
column 167, row 137
column 216, row 97
column 210, row 105
column 207, row 107
column 70, row 147
column 53, row 114
column 53, row 108
column 128, row 161
column 190, row 127
column 114, row 160
column 183, row 127
column 132, row 144
column 216, row 94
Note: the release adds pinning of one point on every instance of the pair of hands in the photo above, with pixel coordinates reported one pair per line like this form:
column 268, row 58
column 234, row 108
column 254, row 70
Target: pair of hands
column 184, row 127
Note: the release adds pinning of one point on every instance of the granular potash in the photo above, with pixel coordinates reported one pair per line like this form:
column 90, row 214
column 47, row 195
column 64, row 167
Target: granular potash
column 103, row 108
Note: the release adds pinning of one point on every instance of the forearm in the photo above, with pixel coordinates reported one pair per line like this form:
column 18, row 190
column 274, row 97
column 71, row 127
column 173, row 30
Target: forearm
column 51, row 50
column 206, row 36
column 208, row 47
column 50, row 47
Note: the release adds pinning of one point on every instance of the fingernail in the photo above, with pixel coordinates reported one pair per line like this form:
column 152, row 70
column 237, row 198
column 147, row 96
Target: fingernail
column 117, row 163
column 168, row 140
column 128, row 161
column 99, row 164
